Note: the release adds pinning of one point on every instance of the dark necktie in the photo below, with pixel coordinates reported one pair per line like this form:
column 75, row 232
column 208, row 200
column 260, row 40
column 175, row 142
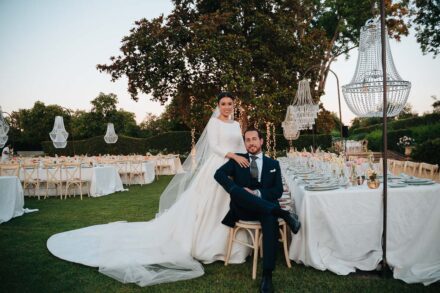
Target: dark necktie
column 254, row 167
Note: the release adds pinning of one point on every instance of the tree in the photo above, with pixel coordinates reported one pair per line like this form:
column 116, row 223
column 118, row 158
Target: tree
column 436, row 104
column 104, row 110
column 426, row 16
column 168, row 121
column 105, row 105
column 256, row 49
column 327, row 121
column 407, row 112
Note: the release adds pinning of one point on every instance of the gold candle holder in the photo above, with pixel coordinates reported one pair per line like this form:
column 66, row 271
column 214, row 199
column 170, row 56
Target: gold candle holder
column 373, row 184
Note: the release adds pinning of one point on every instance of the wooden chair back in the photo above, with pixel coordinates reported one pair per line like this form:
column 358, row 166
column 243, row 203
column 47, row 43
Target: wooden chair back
column 9, row 170
column 427, row 170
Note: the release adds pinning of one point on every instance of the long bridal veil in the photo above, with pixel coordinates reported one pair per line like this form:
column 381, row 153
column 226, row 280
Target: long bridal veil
column 191, row 167
column 156, row 251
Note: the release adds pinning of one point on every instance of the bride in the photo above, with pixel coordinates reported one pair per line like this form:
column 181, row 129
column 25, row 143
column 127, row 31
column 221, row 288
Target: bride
column 187, row 228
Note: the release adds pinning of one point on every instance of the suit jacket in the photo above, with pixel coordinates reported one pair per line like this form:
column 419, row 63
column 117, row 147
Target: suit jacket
column 232, row 176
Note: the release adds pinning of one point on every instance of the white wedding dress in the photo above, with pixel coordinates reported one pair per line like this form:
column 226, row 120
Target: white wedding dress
column 167, row 248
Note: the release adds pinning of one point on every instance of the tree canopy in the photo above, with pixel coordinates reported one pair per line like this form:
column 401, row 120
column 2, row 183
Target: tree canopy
column 257, row 49
column 426, row 14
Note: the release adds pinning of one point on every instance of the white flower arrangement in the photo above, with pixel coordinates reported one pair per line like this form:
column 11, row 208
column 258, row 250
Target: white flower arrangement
column 405, row 141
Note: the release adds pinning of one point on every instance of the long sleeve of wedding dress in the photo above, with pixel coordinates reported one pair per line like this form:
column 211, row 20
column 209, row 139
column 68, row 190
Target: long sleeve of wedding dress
column 214, row 137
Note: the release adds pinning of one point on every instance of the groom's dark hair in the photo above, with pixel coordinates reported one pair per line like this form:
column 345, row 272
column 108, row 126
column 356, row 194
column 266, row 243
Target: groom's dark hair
column 260, row 136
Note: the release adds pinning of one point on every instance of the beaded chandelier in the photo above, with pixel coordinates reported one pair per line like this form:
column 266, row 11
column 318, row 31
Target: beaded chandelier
column 364, row 94
column 59, row 135
column 110, row 135
column 4, row 128
column 305, row 110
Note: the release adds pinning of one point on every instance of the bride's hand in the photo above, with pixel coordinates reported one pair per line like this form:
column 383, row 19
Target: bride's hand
column 242, row 161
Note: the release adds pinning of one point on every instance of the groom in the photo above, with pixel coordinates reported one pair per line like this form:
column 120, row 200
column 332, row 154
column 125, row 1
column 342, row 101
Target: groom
column 254, row 192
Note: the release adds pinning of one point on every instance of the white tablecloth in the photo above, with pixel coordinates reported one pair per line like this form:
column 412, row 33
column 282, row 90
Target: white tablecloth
column 104, row 180
column 150, row 172
column 342, row 230
column 11, row 198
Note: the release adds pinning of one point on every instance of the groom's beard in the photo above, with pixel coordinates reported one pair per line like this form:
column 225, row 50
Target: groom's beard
column 254, row 150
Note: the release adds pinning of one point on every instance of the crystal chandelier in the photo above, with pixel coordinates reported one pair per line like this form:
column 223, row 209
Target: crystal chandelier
column 4, row 128
column 364, row 94
column 59, row 135
column 306, row 111
column 289, row 125
column 110, row 135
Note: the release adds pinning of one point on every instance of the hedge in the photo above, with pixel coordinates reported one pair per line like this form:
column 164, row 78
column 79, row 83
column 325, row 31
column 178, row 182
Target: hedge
column 420, row 133
column 401, row 124
column 170, row 142
column 427, row 152
column 375, row 139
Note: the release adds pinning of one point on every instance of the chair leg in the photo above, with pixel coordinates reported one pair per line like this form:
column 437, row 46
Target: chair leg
column 80, row 191
column 286, row 251
column 254, row 265
column 229, row 249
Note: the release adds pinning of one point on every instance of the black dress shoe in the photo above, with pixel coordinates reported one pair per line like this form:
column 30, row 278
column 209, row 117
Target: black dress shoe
column 291, row 219
column 266, row 285
column 293, row 223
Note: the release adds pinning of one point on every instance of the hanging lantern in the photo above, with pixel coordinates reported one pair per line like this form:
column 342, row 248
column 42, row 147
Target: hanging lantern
column 306, row 111
column 364, row 94
column 110, row 135
column 4, row 128
column 59, row 135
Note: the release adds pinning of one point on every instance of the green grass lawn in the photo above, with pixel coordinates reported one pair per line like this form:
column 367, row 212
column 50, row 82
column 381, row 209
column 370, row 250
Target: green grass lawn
column 27, row 266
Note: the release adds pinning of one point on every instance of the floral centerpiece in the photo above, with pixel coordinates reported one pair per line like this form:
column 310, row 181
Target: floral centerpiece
column 372, row 179
column 407, row 143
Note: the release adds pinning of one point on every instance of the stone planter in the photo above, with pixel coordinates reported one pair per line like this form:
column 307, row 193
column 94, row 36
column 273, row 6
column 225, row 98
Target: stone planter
column 408, row 150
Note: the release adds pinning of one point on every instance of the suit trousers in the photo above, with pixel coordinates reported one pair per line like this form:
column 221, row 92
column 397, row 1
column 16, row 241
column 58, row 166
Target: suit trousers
column 249, row 207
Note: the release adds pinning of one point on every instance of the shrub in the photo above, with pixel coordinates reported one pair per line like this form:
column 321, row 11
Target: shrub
column 375, row 139
column 427, row 119
column 427, row 152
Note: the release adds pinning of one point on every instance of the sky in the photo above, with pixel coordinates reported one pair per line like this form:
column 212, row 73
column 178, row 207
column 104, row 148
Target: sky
column 49, row 50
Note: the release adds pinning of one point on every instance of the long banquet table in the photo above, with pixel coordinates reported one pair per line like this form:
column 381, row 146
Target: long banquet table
column 342, row 229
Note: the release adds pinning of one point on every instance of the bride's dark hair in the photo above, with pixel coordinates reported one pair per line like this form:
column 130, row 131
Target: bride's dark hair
column 223, row 95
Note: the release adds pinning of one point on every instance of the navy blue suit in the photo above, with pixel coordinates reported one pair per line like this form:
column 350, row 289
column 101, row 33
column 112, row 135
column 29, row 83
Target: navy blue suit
column 248, row 207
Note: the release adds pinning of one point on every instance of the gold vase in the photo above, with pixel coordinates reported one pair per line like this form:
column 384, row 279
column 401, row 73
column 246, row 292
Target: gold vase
column 373, row 184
